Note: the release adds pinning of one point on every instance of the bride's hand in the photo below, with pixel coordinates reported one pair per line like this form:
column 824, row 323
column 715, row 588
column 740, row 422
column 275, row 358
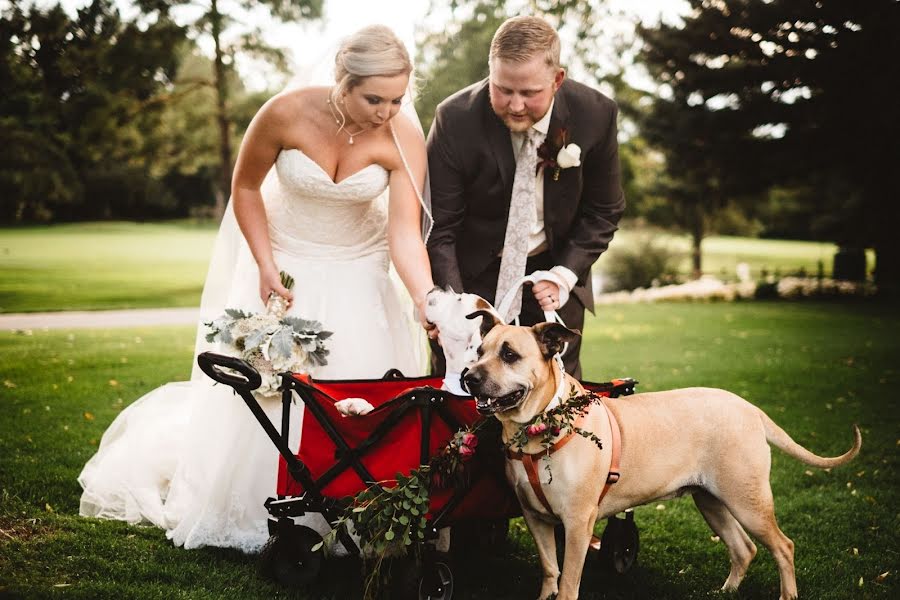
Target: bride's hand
column 270, row 281
column 430, row 328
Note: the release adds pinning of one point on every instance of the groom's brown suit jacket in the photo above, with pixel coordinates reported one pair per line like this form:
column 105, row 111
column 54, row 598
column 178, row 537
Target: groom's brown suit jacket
column 472, row 166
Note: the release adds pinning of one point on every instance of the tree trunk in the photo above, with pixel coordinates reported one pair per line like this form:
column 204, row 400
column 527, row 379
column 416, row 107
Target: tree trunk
column 887, row 268
column 221, row 111
column 697, row 233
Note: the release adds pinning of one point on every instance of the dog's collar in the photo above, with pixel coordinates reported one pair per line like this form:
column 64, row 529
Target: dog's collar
column 561, row 388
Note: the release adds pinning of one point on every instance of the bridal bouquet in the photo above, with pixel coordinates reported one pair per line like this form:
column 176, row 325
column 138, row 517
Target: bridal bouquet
column 271, row 342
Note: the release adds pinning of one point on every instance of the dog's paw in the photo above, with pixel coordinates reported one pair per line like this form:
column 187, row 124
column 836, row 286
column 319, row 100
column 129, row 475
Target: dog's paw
column 354, row 407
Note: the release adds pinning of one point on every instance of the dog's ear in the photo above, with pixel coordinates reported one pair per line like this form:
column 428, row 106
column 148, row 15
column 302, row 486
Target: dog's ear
column 488, row 320
column 551, row 337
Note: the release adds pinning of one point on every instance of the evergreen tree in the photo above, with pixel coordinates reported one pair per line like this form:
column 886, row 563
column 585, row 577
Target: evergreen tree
column 79, row 93
column 789, row 92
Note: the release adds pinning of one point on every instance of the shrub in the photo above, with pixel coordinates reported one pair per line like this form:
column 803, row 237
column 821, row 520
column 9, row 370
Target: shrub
column 640, row 265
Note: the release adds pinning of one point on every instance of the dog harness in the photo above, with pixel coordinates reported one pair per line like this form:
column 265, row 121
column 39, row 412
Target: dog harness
column 530, row 461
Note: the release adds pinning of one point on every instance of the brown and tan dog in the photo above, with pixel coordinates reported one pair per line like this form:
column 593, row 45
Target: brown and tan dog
column 701, row 441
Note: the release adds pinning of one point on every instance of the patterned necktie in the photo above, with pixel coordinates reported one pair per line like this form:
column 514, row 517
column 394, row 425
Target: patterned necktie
column 520, row 222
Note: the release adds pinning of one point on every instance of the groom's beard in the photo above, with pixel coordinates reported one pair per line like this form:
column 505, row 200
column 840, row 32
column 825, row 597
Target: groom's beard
column 518, row 125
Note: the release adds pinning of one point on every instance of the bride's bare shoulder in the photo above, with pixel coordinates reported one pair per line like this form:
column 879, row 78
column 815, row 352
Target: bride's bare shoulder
column 289, row 105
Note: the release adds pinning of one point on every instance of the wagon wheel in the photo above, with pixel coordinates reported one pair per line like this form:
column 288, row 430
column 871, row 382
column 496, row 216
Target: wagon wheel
column 288, row 557
column 414, row 581
column 620, row 544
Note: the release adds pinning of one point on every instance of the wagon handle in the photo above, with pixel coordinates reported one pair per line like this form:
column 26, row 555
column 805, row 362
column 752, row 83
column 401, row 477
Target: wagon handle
column 211, row 362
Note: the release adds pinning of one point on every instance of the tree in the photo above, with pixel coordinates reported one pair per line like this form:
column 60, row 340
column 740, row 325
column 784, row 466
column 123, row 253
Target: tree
column 224, row 22
column 784, row 92
column 78, row 95
column 186, row 143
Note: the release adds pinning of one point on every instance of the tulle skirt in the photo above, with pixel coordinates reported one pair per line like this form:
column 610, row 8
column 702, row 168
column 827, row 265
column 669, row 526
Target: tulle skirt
column 189, row 457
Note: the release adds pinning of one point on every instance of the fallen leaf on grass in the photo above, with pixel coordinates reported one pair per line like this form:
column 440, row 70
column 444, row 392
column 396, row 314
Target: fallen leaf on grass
column 882, row 577
column 715, row 538
column 48, row 508
column 88, row 416
column 61, row 584
column 660, row 507
column 8, row 383
column 808, row 472
column 860, row 582
column 856, row 552
column 113, row 383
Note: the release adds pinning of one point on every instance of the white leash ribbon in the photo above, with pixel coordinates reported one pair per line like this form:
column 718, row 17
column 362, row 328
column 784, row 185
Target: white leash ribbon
column 551, row 316
column 561, row 388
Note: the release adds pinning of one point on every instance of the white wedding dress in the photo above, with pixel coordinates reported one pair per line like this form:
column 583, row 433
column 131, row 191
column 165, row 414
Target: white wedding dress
column 189, row 457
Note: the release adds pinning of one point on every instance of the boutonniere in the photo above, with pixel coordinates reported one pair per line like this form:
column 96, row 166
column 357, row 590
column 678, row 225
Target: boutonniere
column 557, row 153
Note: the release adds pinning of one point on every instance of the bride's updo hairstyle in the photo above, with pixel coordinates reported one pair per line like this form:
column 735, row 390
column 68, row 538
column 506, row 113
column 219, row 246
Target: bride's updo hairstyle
column 373, row 50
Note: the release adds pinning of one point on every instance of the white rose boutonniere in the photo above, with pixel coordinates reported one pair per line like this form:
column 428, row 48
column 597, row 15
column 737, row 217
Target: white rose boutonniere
column 569, row 156
column 557, row 153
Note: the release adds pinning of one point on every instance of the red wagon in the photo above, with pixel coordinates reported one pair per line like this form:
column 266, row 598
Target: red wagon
column 338, row 457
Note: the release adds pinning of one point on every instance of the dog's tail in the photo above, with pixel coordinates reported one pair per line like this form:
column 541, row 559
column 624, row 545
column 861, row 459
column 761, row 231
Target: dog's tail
column 779, row 438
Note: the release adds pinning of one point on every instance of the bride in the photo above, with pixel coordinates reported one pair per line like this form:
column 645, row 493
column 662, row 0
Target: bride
column 328, row 187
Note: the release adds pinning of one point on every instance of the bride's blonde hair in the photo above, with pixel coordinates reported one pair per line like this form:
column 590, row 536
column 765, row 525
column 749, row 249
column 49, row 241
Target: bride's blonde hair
column 373, row 50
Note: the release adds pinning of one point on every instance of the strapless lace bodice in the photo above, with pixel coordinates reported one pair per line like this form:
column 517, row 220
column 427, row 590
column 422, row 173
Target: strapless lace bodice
column 311, row 215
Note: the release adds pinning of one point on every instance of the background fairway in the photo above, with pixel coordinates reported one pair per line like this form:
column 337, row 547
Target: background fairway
column 103, row 265
column 814, row 367
column 149, row 265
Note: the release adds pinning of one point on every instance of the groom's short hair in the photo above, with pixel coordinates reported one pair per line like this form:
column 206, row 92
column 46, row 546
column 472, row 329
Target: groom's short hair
column 520, row 39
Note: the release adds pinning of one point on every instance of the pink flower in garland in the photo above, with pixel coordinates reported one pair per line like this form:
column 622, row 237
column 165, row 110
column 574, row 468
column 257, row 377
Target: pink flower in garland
column 470, row 439
column 536, row 429
column 466, row 452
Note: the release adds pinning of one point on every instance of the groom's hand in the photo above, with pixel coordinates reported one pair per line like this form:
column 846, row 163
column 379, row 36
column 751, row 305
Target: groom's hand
column 547, row 295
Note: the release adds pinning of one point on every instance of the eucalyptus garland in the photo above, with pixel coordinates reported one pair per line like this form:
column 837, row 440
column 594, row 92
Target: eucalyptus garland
column 547, row 426
column 391, row 519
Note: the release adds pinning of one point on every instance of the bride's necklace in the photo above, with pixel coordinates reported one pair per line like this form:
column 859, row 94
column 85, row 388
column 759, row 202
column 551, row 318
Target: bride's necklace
column 338, row 122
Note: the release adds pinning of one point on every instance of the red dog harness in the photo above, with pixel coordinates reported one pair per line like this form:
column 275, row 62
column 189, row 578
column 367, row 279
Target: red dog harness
column 530, row 461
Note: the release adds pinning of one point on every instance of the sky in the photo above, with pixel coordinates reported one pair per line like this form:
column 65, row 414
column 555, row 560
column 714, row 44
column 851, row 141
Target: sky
column 310, row 44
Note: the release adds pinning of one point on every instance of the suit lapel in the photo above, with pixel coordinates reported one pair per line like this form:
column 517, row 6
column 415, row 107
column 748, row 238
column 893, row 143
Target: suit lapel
column 501, row 148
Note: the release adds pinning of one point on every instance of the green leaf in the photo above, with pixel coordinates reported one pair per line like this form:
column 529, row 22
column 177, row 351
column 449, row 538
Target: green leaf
column 404, row 520
column 254, row 339
column 389, row 535
column 282, row 342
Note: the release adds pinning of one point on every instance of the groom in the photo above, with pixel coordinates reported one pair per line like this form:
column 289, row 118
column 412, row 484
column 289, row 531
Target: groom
column 524, row 170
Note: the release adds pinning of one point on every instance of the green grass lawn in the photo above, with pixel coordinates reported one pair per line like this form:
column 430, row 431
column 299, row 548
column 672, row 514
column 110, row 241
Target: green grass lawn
column 93, row 266
column 103, row 265
column 814, row 367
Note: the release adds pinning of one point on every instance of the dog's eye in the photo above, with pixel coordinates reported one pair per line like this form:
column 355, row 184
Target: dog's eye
column 508, row 355
column 479, row 351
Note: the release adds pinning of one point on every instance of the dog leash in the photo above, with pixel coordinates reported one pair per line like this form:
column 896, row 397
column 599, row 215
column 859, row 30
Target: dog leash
column 551, row 316
column 530, row 461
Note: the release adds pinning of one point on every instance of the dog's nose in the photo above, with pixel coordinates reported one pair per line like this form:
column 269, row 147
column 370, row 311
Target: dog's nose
column 472, row 379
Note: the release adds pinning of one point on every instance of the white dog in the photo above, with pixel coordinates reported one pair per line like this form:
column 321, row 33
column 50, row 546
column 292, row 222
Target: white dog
column 458, row 335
